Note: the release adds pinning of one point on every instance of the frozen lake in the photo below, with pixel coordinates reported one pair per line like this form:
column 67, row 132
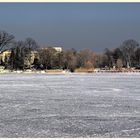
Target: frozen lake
column 70, row 105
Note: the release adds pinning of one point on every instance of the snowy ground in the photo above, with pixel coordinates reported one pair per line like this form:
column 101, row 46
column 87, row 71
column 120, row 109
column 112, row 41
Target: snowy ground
column 70, row 105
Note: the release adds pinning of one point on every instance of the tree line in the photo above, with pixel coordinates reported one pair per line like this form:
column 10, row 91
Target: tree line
column 126, row 55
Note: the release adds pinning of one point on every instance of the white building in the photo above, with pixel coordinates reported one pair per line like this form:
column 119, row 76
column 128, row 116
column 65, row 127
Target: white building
column 58, row 49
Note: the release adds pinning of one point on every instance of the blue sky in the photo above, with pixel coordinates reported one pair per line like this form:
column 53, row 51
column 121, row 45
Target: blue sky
column 73, row 25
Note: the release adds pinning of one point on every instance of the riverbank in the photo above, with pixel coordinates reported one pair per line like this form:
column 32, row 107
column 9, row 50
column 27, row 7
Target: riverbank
column 76, row 71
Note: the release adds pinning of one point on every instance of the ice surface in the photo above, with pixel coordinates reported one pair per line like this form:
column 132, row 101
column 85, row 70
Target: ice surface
column 70, row 105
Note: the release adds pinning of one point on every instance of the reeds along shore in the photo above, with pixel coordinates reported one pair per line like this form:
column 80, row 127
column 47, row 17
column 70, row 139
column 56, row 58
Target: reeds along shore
column 123, row 70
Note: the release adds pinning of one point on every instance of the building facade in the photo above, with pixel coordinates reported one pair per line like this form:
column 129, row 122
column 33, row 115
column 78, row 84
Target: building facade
column 4, row 56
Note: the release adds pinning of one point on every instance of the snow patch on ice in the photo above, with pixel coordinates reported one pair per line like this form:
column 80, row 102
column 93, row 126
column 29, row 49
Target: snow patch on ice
column 116, row 89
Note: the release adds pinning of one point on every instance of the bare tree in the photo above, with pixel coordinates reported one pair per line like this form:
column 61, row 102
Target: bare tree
column 119, row 63
column 5, row 40
column 47, row 57
column 86, row 56
column 137, row 56
column 128, row 49
column 31, row 44
column 116, row 54
column 70, row 59
column 109, row 55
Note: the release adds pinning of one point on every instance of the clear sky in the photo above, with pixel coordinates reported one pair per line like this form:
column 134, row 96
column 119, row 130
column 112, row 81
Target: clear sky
column 73, row 25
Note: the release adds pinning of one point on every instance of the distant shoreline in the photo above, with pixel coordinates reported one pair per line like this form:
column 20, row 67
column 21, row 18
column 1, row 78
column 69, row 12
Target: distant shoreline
column 65, row 72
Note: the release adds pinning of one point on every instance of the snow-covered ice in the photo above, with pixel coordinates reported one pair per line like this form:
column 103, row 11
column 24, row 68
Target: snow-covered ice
column 70, row 105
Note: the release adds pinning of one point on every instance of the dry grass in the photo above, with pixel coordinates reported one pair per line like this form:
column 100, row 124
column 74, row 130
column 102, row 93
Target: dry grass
column 84, row 70
column 53, row 71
